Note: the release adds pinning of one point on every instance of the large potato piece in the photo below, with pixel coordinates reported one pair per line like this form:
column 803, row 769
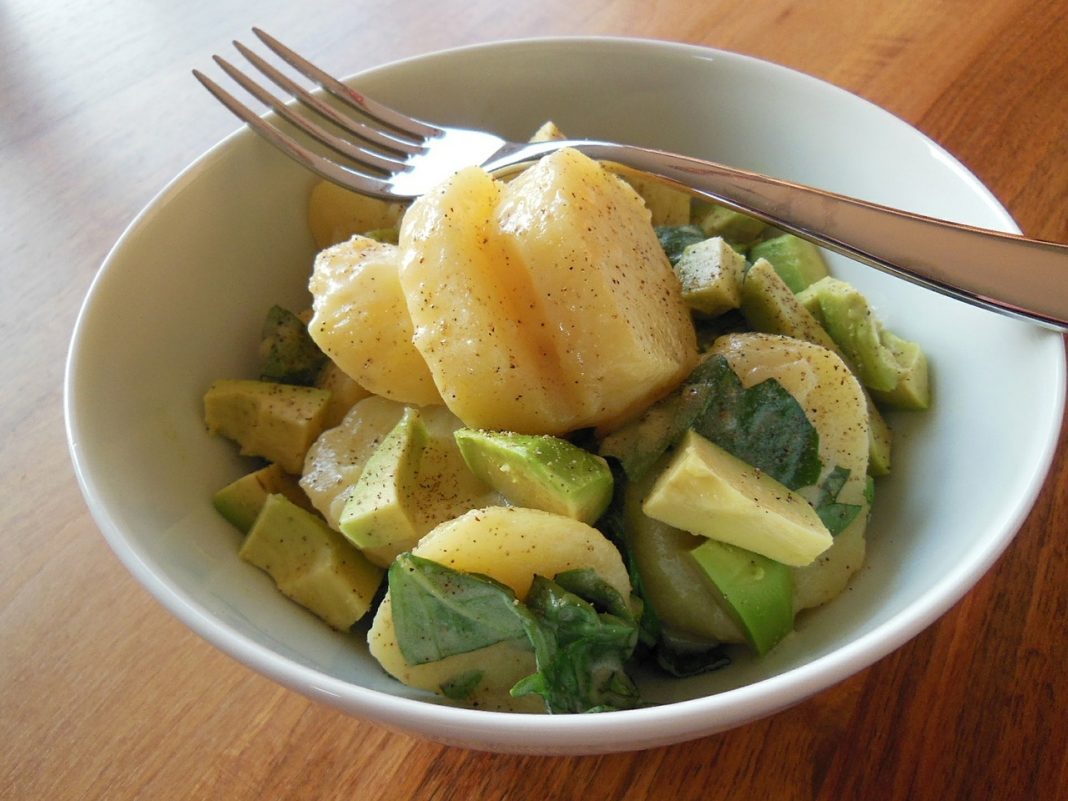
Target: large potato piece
column 511, row 545
column 361, row 321
column 544, row 305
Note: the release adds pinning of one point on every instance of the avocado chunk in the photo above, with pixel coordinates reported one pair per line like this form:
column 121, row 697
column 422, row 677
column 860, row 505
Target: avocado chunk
column 796, row 260
column 311, row 563
column 735, row 227
column 913, row 390
column 894, row 369
column 287, row 354
column 240, row 502
column 539, row 471
column 757, row 592
column 276, row 421
column 380, row 510
column 710, row 273
column 706, row 490
column 771, row 307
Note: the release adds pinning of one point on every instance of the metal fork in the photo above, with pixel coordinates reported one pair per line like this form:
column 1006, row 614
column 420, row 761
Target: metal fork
column 390, row 155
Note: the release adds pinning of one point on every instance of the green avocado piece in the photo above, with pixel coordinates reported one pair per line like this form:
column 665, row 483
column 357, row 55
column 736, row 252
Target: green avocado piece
column 770, row 306
column 735, row 227
column 796, row 260
column 311, row 563
column 240, row 502
column 757, row 592
column 913, row 390
column 707, row 490
column 276, row 421
column 288, row 354
column 894, row 369
column 539, row 471
column 380, row 511
column 710, row 273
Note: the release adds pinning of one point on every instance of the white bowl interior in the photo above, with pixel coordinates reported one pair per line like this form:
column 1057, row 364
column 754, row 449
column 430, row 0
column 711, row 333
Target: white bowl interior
column 179, row 301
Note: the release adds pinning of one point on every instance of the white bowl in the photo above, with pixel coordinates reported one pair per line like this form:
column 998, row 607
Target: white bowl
column 178, row 302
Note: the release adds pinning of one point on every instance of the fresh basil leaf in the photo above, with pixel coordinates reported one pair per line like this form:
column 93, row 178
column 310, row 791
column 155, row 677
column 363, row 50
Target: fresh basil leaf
column 835, row 516
column 762, row 425
column 587, row 584
column 439, row 612
column 580, row 653
column 674, row 239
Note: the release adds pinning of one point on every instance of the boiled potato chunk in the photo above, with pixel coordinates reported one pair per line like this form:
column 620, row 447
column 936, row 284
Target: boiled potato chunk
column 361, row 320
column 511, row 545
column 835, row 403
column 546, row 304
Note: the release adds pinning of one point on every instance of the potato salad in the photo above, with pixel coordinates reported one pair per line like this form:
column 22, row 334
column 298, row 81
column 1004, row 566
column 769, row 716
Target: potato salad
column 533, row 433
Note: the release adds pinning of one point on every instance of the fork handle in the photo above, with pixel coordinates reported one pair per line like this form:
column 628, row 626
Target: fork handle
column 1008, row 273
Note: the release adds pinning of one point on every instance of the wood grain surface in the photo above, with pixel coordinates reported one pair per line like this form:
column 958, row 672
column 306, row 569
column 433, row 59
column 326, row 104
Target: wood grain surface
column 103, row 695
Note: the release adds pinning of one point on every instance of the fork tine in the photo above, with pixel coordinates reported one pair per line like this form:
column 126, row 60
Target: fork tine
column 372, row 108
column 361, row 155
column 373, row 135
column 353, row 179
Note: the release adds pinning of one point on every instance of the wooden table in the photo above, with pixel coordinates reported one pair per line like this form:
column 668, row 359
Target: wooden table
column 104, row 696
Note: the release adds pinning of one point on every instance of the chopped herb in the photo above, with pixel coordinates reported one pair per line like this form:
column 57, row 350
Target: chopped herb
column 580, row 644
column 762, row 425
column 835, row 516
column 439, row 612
column 580, row 653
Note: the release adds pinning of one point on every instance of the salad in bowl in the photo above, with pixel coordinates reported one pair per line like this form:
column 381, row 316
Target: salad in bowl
column 540, row 431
